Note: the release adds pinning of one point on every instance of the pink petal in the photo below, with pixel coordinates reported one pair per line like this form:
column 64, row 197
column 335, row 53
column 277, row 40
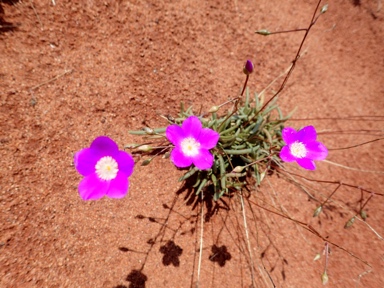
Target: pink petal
column 192, row 127
column 307, row 134
column 285, row 154
column 125, row 163
column 306, row 163
column 104, row 146
column 85, row 161
column 316, row 151
column 174, row 134
column 118, row 187
column 92, row 188
column 289, row 135
column 208, row 138
column 179, row 159
column 203, row 160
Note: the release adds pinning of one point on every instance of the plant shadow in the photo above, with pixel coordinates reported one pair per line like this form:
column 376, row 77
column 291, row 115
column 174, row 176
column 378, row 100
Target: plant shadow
column 6, row 26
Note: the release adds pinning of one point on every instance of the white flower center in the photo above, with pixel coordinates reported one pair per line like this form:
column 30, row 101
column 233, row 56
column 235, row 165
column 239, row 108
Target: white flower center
column 298, row 149
column 190, row 146
column 107, row 168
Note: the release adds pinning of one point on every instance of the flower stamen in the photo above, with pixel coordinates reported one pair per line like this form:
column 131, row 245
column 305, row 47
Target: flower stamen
column 107, row 168
column 298, row 149
column 190, row 146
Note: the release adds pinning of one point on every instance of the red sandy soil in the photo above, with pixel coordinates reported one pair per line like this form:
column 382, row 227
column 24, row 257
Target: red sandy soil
column 73, row 70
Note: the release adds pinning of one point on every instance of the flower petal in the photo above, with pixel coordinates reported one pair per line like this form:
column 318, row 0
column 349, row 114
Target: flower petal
column 175, row 134
column 289, row 135
column 85, row 161
column 307, row 134
column 192, row 127
column 203, row 160
column 92, row 188
column 118, row 187
column 285, row 154
column 316, row 151
column 306, row 163
column 179, row 159
column 208, row 138
column 104, row 146
column 125, row 163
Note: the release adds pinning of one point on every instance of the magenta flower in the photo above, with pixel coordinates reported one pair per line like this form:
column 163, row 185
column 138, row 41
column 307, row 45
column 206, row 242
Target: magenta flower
column 192, row 144
column 302, row 147
column 105, row 170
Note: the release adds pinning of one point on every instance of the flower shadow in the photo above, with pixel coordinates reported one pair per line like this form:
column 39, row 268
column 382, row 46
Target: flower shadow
column 171, row 252
column 220, row 255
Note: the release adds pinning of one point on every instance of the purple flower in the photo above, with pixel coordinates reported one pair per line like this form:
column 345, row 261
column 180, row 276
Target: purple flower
column 192, row 144
column 248, row 67
column 105, row 170
column 302, row 147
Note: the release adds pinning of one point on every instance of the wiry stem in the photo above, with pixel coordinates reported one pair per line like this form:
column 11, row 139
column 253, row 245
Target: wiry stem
column 201, row 239
column 247, row 236
column 313, row 21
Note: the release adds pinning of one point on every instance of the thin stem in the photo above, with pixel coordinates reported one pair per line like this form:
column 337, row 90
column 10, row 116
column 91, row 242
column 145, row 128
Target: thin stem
column 287, row 31
column 245, row 85
column 247, row 236
column 313, row 21
column 333, row 182
column 201, row 239
column 357, row 145
column 329, row 197
column 326, row 249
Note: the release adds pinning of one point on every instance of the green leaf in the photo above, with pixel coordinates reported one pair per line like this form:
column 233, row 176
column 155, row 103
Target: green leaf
column 201, row 186
column 188, row 174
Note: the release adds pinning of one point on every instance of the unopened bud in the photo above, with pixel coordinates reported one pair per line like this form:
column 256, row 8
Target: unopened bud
column 214, row 109
column 146, row 162
column 324, row 278
column 248, row 67
column 263, row 32
column 318, row 211
column 324, row 9
column 262, row 175
column 350, row 222
column 166, row 155
column 363, row 215
column 145, row 148
column 238, row 169
column 317, row 257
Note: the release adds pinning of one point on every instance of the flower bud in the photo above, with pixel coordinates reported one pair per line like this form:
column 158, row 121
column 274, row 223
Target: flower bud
column 363, row 215
column 214, row 109
column 145, row 148
column 248, row 67
column 318, row 211
column 349, row 222
column 146, row 162
column 324, row 9
column 263, row 32
column 324, row 278
column 166, row 155
column 238, row 169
